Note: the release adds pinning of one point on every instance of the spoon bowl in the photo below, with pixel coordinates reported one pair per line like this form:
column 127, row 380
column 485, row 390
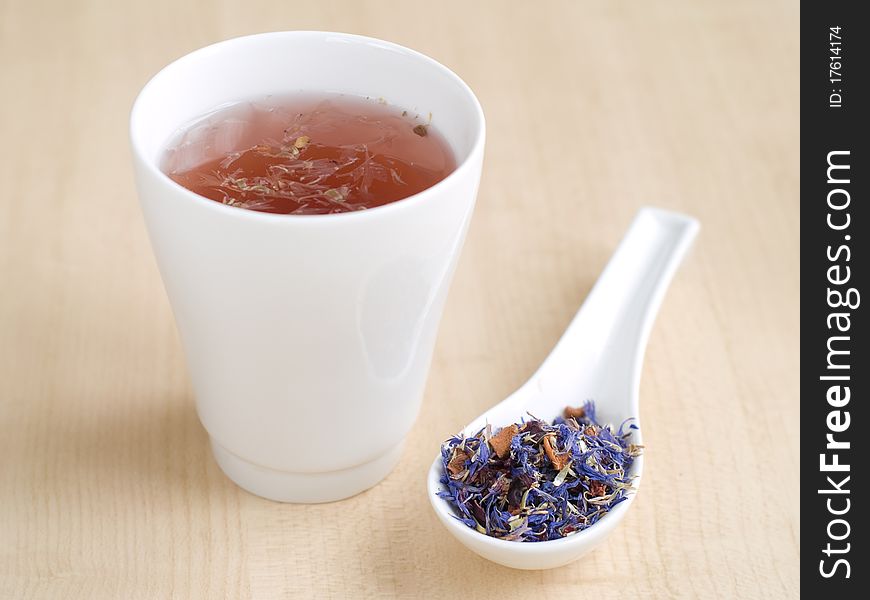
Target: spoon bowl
column 599, row 357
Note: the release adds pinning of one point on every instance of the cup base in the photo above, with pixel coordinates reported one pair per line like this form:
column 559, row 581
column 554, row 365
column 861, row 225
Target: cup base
column 304, row 488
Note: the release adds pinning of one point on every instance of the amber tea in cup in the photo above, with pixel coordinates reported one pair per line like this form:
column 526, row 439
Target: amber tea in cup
column 308, row 154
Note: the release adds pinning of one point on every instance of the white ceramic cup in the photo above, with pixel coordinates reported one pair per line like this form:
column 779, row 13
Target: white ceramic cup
column 308, row 338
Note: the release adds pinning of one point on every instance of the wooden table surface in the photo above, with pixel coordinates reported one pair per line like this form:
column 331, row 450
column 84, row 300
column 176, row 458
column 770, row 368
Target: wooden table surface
column 107, row 486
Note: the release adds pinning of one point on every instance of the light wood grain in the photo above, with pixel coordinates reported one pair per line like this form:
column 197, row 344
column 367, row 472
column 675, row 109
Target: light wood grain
column 107, row 487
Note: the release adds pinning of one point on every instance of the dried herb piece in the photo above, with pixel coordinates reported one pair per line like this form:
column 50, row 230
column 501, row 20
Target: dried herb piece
column 597, row 489
column 457, row 463
column 421, row 130
column 301, row 142
column 535, row 481
column 558, row 460
column 532, row 427
column 574, row 412
column 516, row 491
column 501, row 442
column 477, row 511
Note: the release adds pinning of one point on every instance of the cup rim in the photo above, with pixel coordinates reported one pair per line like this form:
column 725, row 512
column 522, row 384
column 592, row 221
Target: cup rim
column 404, row 204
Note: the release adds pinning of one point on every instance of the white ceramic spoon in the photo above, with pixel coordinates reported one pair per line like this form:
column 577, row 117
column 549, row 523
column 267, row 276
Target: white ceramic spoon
column 599, row 357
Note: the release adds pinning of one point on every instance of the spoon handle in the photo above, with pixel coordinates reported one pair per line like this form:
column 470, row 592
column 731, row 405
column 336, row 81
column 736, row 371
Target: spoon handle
column 610, row 331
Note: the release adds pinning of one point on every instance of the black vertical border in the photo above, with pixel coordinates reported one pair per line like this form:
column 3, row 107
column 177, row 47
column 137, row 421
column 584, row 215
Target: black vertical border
column 825, row 129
